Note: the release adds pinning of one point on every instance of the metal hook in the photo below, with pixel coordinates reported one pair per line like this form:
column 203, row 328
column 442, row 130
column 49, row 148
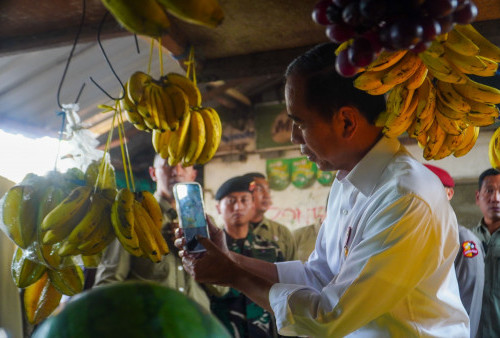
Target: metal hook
column 69, row 59
column 109, row 63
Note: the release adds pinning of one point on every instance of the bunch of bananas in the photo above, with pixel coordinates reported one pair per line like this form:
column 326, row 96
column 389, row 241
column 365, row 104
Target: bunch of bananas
column 183, row 130
column 137, row 221
column 430, row 95
column 149, row 17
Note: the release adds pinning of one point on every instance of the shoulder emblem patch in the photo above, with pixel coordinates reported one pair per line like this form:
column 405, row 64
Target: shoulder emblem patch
column 469, row 249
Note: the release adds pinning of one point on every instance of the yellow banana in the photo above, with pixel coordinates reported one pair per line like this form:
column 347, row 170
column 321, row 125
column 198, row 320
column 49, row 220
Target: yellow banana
column 449, row 96
column 178, row 142
column 426, row 100
column 123, row 220
column 461, row 44
column 380, row 90
column 470, row 137
column 155, row 140
column 398, row 123
column 399, row 99
column 386, row 59
column 402, row 70
column 135, row 86
column 492, row 152
column 154, row 105
column 442, row 69
column 382, row 118
column 147, row 241
column 97, row 215
column 145, row 109
column 164, row 143
column 491, row 67
column 418, row 78
column 444, row 150
column 170, row 117
column 196, row 137
column 206, row 13
column 479, row 119
column 152, row 207
column 161, row 107
column 153, row 229
column 146, row 17
column 486, row 48
column 24, row 270
column 188, row 87
column 213, row 132
column 449, row 112
column 179, row 100
column 478, row 92
column 422, row 140
column 98, row 241
column 450, row 126
column 436, row 137
column 68, row 280
column 58, row 223
column 369, row 80
column 468, row 64
column 101, row 174
column 483, row 108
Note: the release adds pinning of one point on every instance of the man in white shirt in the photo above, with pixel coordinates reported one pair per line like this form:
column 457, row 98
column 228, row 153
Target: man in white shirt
column 383, row 261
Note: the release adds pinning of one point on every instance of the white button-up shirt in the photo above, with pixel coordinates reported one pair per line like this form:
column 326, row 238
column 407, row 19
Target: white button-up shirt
column 383, row 262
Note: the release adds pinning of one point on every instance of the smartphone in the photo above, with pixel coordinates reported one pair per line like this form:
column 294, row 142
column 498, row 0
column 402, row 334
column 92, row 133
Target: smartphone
column 191, row 213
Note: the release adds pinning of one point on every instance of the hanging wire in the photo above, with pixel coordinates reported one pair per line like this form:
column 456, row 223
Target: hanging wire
column 137, row 44
column 109, row 64
column 69, row 59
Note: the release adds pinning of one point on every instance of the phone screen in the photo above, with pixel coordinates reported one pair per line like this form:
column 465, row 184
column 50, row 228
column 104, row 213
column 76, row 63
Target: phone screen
column 191, row 214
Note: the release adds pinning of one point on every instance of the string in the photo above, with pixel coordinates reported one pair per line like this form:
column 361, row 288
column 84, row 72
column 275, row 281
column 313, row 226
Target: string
column 70, row 56
column 150, row 56
column 160, row 56
column 63, row 123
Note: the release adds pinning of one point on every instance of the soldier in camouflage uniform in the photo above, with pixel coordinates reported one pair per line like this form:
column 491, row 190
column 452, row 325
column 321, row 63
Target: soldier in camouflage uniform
column 241, row 316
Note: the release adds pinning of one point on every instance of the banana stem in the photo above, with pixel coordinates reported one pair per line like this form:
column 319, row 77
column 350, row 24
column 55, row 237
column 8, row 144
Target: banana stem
column 150, row 55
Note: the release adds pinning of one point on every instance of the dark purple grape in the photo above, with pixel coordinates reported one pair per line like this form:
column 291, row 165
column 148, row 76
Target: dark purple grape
column 431, row 28
column 440, row 8
column 421, row 46
column 466, row 14
column 351, row 14
column 343, row 66
column 373, row 37
column 339, row 32
column 319, row 12
column 361, row 53
column 446, row 23
column 385, row 37
column 334, row 14
column 461, row 4
column 341, row 3
column 405, row 33
column 373, row 10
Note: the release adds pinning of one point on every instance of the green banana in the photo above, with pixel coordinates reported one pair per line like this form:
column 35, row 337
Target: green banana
column 145, row 17
column 207, row 12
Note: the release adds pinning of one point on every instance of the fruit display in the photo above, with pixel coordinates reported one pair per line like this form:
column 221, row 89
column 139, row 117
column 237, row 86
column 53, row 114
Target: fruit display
column 182, row 130
column 150, row 18
column 431, row 96
column 131, row 309
column 374, row 25
column 61, row 222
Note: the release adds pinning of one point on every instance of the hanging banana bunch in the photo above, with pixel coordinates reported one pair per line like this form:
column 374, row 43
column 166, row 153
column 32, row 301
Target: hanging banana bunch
column 182, row 129
column 430, row 95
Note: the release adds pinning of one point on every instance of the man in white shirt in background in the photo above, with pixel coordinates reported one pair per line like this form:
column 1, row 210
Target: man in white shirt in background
column 383, row 262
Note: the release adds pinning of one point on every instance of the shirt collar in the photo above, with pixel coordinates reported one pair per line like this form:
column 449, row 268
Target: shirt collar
column 365, row 175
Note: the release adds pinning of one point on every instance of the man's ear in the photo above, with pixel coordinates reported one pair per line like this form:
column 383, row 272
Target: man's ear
column 152, row 173
column 347, row 117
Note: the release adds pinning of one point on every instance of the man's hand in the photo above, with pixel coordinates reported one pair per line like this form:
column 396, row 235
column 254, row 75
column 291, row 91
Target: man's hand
column 213, row 265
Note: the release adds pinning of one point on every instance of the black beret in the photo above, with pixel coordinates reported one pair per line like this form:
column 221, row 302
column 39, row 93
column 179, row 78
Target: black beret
column 255, row 174
column 235, row 184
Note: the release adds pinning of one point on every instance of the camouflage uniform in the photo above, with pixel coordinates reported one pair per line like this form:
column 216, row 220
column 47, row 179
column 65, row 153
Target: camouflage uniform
column 241, row 316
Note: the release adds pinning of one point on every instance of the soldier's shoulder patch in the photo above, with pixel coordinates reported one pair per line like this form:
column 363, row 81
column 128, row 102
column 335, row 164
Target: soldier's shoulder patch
column 469, row 249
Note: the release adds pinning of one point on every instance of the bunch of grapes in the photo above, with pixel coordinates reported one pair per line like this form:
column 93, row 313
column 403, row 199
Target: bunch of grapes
column 387, row 24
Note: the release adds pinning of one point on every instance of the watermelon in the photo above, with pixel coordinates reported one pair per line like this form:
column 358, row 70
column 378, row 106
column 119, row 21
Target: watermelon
column 131, row 309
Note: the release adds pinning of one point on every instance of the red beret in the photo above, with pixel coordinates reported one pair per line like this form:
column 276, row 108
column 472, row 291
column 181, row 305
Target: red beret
column 443, row 175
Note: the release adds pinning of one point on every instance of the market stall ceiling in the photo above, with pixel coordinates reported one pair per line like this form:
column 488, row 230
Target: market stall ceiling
column 249, row 52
